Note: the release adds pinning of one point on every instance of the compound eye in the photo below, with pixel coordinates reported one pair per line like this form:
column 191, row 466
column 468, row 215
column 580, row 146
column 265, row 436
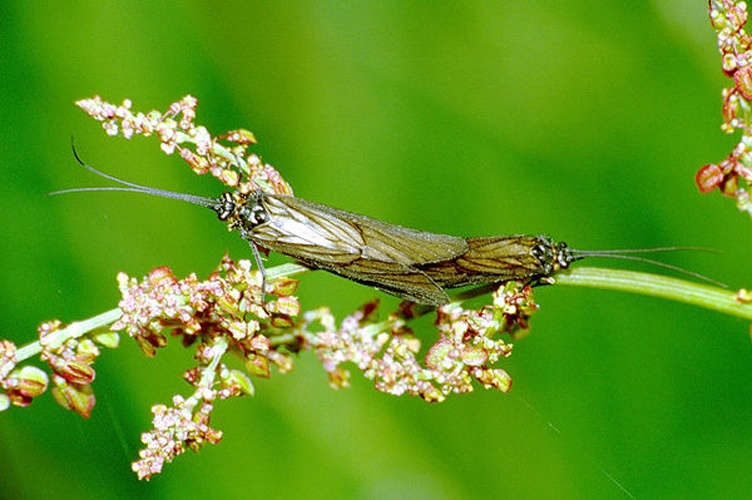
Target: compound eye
column 564, row 255
column 226, row 206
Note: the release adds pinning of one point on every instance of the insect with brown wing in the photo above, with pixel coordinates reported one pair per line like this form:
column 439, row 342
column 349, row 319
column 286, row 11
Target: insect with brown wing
column 412, row 264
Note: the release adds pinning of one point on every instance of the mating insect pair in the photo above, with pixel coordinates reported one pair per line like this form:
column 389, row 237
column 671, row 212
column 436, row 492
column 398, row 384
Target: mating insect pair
column 411, row 264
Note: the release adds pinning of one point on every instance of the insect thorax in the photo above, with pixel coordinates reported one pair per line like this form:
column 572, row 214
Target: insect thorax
column 241, row 211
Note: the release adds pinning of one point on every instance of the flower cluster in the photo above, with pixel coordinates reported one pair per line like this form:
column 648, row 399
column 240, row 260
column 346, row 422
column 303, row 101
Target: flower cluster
column 386, row 352
column 228, row 303
column 20, row 385
column 733, row 175
column 69, row 357
column 186, row 425
column 226, row 156
column 224, row 313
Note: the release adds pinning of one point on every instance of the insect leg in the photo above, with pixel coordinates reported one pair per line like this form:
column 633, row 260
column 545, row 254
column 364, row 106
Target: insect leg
column 262, row 270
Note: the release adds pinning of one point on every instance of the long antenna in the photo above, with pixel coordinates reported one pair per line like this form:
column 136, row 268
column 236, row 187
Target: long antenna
column 134, row 188
column 224, row 206
column 625, row 255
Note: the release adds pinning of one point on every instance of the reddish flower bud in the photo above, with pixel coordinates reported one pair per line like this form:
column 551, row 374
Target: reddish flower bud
column 282, row 322
column 730, row 185
column 258, row 366
column 437, row 353
column 432, row 395
column 284, row 287
column 729, row 64
column 474, row 355
column 497, row 378
column 708, row 178
column 26, row 383
column 743, row 81
column 199, row 164
column 192, row 376
column 161, row 276
column 149, row 342
column 79, row 398
column 729, row 109
column 339, row 378
column 74, row 370
column 261, row 343
column 240, row 136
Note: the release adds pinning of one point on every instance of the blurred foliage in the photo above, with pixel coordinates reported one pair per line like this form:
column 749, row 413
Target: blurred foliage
column 585, row 120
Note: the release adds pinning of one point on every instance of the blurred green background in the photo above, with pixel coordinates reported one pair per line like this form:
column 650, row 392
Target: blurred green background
column 585, row 120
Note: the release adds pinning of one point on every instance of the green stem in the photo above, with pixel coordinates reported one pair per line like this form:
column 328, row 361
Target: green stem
column 72, row 331
column 285, row 270
column 654, row 285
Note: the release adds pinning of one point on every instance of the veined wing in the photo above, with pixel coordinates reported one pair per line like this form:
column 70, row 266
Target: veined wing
column 356, row 247
column 391, row 277
column 307, row 230
column 494, row 259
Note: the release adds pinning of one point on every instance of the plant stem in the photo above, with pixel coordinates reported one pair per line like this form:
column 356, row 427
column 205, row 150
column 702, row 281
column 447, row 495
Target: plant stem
column 72, row 331
column 285, row 270
column 698, row 294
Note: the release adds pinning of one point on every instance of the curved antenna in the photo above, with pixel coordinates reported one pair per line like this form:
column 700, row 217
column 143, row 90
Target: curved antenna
column 646, row 250
column 625, row 255
column 135, row 188
column 225, row 206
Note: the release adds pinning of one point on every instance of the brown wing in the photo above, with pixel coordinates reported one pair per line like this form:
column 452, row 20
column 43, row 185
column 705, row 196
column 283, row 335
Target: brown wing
column 356, row 247
column 404, row 282
column 490, row 259
column 324, row 232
